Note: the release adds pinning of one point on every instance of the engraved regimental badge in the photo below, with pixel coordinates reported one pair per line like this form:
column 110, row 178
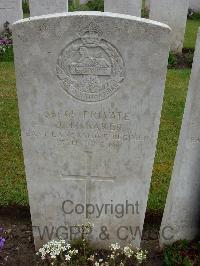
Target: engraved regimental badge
column 90, row 68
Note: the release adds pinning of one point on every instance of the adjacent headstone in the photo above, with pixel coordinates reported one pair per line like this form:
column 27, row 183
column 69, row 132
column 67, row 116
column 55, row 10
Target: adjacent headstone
column 174, row 14
column 90, row 88
column 181, row 218
column 10, row 11
column 195, row 5
column 83, row 2
column 129, row 7
column 44, row 7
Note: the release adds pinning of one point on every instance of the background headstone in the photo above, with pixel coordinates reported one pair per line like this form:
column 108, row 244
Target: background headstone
column 44, row 7
column 195, row 5
column 174, row 14
column 11, row 11
column 129, row 7
column 90, row 88
column 181, row 218
column 83, row 2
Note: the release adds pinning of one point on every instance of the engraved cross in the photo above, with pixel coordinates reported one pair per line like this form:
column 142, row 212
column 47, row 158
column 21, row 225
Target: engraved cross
column 88, row 178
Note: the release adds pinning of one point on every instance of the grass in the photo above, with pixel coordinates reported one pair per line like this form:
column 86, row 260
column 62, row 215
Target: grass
column 12, row 177
column 182, row 253
column 191, row 31
column 171, row 118
column 26, row 15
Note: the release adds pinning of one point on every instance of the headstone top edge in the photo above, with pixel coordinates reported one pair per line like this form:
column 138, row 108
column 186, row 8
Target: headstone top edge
column 95, row 14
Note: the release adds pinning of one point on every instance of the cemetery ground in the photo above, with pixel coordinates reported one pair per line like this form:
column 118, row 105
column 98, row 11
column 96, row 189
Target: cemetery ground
column 14, row 211
column 12, row 181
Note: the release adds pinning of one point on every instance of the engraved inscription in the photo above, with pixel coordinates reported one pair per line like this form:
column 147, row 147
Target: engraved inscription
column 90, row 68
column 88, row 179
column 88, row 128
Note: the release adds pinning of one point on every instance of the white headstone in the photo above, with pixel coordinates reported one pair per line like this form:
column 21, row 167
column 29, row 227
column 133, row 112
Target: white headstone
column 10, row 11
column 44, row 7
column 83, row 2
column 90, row 88
column 130, row 7
column 195, row 5
column 181, row 218
column 174, row 14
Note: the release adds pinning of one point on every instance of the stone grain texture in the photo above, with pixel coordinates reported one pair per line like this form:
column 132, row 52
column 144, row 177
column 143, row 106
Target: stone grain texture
column 10, row 11
column 181, row 218
column 129, row 7
column 45, row 7
column 90, row 88
column 174, row 14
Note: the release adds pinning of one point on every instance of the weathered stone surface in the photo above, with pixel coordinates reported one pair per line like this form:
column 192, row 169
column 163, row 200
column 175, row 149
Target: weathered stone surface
column 90, row 88
column 11, row 11
column 181, row 218
column 130, row 7
column 44, row 7
column 83, row 2
column 174, row 14
column 195, row 5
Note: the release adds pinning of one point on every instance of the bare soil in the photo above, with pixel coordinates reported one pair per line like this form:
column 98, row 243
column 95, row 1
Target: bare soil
column 19, row 248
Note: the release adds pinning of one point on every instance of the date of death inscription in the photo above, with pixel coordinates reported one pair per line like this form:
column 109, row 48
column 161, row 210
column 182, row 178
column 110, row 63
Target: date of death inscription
column 107, row 129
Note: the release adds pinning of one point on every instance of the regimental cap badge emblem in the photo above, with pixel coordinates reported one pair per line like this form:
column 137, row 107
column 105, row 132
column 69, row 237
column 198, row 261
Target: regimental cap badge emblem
column 91, row 35
column 90, row 68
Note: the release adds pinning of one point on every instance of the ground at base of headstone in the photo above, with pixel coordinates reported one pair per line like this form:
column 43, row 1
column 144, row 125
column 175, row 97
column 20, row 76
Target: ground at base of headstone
column 19, row 249
column 181, row 61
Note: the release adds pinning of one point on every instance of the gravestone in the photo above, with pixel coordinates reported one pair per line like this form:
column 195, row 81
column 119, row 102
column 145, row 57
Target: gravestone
column 83, row 2
column 181, row 218
column 195, row 5
column 129, row 7
column 10, row 11
column 174, row 14
column 44, row 7
column 90, row 88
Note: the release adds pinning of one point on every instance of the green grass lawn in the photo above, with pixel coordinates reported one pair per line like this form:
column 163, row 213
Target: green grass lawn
column 191, row 31
column 171, row 118
column 12, row 177
column 26, row 15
